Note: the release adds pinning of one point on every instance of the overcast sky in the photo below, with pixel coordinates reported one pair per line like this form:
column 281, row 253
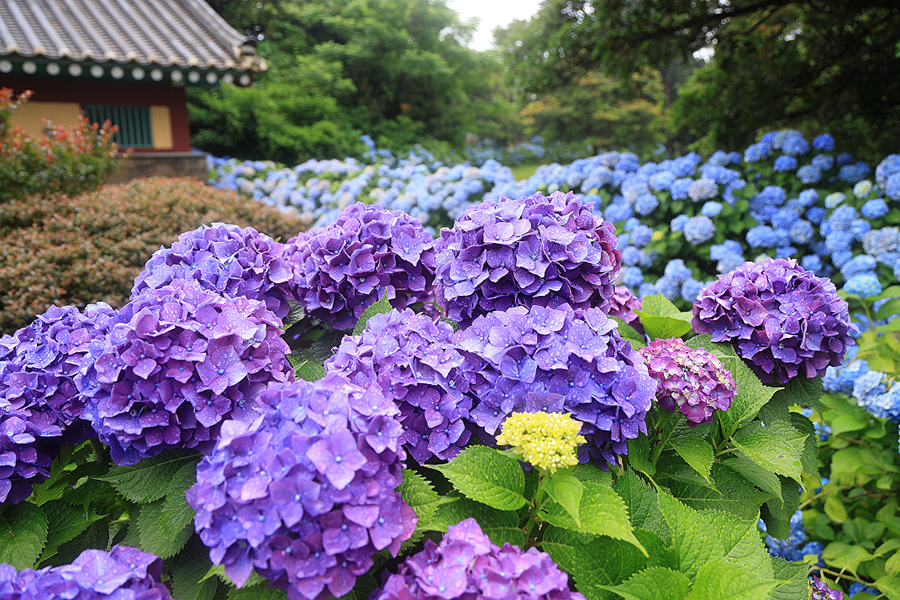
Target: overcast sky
column 492, row 13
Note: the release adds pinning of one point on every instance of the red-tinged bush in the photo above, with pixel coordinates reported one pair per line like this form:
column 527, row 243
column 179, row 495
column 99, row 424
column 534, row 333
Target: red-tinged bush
column 70, row 160
column 89, row 248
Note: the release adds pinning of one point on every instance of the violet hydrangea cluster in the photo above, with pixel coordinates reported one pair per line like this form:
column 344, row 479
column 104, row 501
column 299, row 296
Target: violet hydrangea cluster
column 414, row 361
column 40, row 405
column 181, row 360
column 228, row 259
column 691, row 380
column 123, row 573
column 783, row 320
column 529, row 251
column 341, row 269
column 819, row 590
column 306, row 494
column 466, row 565
column 554, row 360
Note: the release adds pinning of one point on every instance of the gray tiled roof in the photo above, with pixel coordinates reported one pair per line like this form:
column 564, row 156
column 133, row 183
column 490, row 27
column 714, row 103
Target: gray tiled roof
column 167, row 33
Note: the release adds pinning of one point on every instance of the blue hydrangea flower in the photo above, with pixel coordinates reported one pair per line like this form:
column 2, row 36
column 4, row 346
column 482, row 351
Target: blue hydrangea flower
column 646, row 204
column 816, row 214
column 306, row 493
column 618, row 212
column 892, row 187
column 823, row 142
column 881, row 241
column 823, row 161
column 181, row 360
column 641, row 236
column 719, row 251
column 631, row 256
column 680, row 187
column 809, row 174
column 703, row 189
column 874, row 209
column 414, row 362
column 757, row 152
column 861, row 588
column 711, row 209
column 552, row 360
column 811, row 262
column 785, row 163
column 677, row 224
column 862, row 263
column 864, row 285
column 699, row 229
column 761, row 236
column 529, row 251
column 632, row 277
column 801, row 231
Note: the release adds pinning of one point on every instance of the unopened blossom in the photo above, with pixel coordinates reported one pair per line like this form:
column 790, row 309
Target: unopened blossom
column 782, row 320
column 528, row 251
column 546, row 440
column 691, row 380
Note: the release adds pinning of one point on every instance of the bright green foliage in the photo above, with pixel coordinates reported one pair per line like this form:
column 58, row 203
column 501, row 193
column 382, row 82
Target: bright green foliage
column 499, row 525
column 23, row 533
column 188, row 573
column 655, row 583
column 148, row 480
column 662, row 319
column 487, row 476
column 380, row 307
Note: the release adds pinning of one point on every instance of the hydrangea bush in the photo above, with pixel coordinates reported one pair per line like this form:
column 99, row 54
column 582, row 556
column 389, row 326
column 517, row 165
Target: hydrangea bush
column 539, row 446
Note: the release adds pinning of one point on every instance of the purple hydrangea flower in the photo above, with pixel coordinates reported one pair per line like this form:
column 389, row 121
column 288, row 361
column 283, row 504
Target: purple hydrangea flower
column 122, row 573
column 226, row 259
column 182, row 360
column 623, row 304
column 552, row 360
column 692, row 380
column 531, row 251
column 466, row 565
column 306, row 494
column 41, row 405
column 414, row 362
column 819, row 590
column 341, row 269
column 782, row 320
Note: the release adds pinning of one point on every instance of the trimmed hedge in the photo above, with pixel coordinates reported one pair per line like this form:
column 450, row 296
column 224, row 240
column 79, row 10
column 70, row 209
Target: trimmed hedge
column 75, row 251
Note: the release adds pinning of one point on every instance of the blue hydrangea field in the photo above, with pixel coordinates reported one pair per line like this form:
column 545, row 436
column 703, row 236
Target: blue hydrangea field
column 672, row 380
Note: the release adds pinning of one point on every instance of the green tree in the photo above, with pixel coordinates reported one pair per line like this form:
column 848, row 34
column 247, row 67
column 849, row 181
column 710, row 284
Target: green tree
column 811, row 64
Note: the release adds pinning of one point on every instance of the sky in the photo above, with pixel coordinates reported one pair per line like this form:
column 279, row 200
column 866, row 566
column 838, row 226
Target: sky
column 492, row 13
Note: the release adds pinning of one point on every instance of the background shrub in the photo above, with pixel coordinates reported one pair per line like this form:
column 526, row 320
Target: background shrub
column 89, row 248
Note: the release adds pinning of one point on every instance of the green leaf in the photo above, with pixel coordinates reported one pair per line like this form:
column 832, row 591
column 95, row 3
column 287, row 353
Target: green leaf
column 418, row 493
column 845, row 556
column 256, row 592
column 295, row 314
column 603, row 512
column 696, row 452
column 485, row 475
column 176, row 512
column 778, row 447
column 499, row 525
column 154, row 537
column 655, row 583
column 719, row 579
column 629, row 334
column 148, row 480
column 733, row 493
column 809, row 459
column 846, row 423
column 835, row 509
column 751, row 393
column 639, row 453
column 23, row 533
column 188, row 581
column 792, row 577
column 889, row 586
column 218, row 571
column 379, row 308
column 62, row 477
column 804, row 391
column 65, row 523
column 764, row 479
column 888, row 309
column 309, row 370
column 594, row 562
column 663, row 327
column 657, row 305
column 741, row 542
column 567, row 492
column 693, row 542
column 640, row 499
column 777, row 514
column 95, row 537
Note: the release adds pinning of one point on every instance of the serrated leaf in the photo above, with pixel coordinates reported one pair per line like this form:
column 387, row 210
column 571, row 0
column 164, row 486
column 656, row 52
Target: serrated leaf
column 593, row 561
column 64, row 523
column 792, row 577
column 176, row 512
column 418, row 493
column 655, row 583
column 629, row 333
column 642, row 504
column 696, row 452
column 762, row 478
column 148, row 480
column 64, row 474
column 889, row 586
column 663, row 327
column 778, row 447
column 154, row 537
column 719, row 579
column 804, row 391
column 499, row 525
column 657, row 305
column 741, row 542
column 809, row 459
column 485, row 475
column 23, row 533
column 295, row 314
column 693, row 542
column 188, row 571
column 567, row 491
column 96, row 536
column 639, row 454
column 603, row 512
column 734, row 494
column 380, row 307
column 256, row 592
column 218, row 571
column 751, row 393
column 309, row 370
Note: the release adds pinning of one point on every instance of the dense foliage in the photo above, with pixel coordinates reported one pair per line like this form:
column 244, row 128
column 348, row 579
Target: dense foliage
column 80, row 249
column 68, row 160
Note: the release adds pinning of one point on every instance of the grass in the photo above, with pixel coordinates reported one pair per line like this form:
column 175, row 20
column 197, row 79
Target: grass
column 524, row 171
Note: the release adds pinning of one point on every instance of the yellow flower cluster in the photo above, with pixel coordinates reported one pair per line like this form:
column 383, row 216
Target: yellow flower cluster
column 546, row 440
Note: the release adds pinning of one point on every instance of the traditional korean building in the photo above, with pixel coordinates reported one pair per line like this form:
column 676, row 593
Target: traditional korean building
column 128, row 61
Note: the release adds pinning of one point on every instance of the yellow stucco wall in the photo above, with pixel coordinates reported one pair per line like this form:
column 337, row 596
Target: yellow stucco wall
column 29, row 115
column 161, row 124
